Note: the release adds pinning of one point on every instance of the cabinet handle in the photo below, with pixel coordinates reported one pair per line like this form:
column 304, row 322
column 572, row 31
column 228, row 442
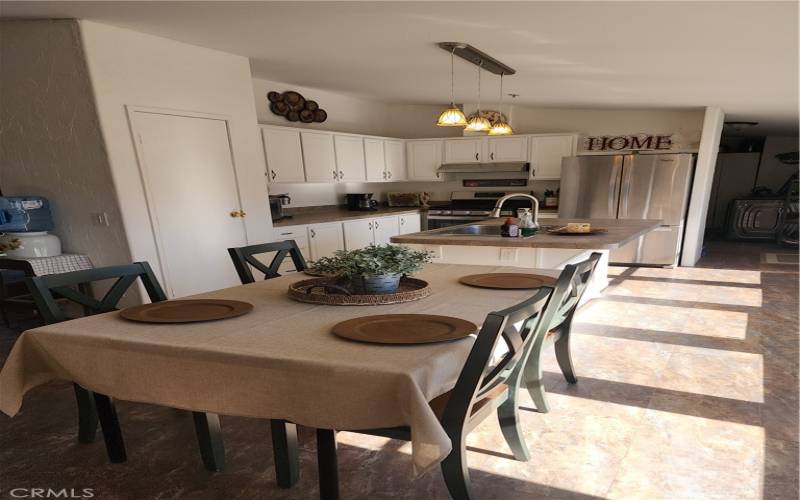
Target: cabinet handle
column 341, row 175
column 402, row 221
column 273, row 174
column 384, row 174
column 491, row 155
column 369, row 225
column 376, row 224
column 533, row 172
column 313, row 234
column 389, row 174
column 335, row 175
column 476, row 156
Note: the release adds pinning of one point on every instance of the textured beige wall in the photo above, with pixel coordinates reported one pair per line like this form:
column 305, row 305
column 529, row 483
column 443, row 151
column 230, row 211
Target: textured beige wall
column 50, row 139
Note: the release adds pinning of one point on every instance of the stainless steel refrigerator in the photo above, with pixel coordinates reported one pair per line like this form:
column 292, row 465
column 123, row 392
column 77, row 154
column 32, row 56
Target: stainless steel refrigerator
column 641, row 186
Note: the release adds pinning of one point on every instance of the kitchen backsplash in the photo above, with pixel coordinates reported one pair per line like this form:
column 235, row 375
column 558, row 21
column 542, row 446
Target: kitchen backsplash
column 312, row 194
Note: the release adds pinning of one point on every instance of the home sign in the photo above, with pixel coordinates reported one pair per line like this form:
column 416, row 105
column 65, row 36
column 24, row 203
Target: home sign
column 628, row 142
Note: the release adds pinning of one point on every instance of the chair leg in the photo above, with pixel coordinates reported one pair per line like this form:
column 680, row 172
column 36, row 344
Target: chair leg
column 564, row 356
column 532, row 377
column 209, row 438
column 508, row 415
column 285, row 451
column 327, row 464
column 87, row 415
column 112, row 434
column 456, row 473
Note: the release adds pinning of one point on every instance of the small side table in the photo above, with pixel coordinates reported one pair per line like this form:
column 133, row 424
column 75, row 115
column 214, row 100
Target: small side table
column 13, row 270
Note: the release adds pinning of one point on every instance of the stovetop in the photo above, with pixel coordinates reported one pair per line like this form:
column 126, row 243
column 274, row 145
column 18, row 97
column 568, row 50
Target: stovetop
column 478, row 203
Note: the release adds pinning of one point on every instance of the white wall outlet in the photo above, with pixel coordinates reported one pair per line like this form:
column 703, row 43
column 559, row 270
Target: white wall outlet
column 100, row 219
column 508, row 255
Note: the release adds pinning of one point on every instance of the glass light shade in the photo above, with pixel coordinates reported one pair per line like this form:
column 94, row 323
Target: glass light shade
column 478, row 123
column 452, row 117
column 501, row 128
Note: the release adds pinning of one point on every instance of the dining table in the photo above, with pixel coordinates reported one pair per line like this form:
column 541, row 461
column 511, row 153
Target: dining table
column 279, row 361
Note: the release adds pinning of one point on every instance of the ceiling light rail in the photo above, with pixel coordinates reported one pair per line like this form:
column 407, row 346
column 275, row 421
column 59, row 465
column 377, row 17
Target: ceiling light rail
column 477, row 57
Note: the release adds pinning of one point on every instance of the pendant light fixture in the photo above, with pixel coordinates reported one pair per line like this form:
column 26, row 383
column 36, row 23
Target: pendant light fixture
column 452, row 116
column 500, row 127
column 478, row 122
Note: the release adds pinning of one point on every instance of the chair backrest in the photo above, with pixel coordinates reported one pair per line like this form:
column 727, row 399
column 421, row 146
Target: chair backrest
column 571, row 286
column 517, row 326
column 45, row 289
column 244, row 257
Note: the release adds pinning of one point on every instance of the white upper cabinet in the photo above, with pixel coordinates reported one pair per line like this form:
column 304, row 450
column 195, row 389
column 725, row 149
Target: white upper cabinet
column 505, row 149
column 319, row 157
column 546, row 153
column 350, row 158
column 395, row 153
column 374, row 159
column 464, row 150
column 423, row 159
column 284, row 155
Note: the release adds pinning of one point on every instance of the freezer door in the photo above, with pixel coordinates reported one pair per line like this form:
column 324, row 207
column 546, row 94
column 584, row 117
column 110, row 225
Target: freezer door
column 655, row 187
column 590, row 187
column 659, row 247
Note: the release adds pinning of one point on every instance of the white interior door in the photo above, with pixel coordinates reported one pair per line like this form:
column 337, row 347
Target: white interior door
column 190, row 183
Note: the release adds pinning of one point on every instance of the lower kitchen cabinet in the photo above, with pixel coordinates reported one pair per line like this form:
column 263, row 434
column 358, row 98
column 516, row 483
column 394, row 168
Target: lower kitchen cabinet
column 358, row 233
column 410, row 223
column 325, row 239
column 384, row 228
column 300, row 236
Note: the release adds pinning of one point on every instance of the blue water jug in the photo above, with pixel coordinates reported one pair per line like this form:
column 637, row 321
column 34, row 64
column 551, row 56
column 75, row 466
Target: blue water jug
column 25, row 214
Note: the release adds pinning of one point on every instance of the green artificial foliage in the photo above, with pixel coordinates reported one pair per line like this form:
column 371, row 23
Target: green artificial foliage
column 380, row 260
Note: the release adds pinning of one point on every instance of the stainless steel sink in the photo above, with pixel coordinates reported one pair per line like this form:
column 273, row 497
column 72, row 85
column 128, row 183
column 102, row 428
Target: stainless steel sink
column 473, row 230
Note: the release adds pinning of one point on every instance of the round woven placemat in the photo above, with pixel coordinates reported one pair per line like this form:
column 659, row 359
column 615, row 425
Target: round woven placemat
column 314, row 291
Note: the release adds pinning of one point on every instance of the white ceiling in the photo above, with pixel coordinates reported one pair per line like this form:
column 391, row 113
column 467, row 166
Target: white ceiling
column 741, row 56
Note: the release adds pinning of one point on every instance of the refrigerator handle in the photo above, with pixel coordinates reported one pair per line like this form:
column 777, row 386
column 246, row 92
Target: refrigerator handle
column 627, row 174
column 613, row 189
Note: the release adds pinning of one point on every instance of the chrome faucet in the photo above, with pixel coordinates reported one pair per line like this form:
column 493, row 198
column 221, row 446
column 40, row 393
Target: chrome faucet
column 496, row 210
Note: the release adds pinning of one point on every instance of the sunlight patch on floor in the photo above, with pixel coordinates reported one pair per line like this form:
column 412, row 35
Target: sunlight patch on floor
column 695, row 273
column 673, row 319
column 728, row 295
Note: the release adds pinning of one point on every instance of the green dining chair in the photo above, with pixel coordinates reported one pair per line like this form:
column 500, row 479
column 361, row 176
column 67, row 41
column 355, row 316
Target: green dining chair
column 245, row 257
column 568, row 291
column 284, row 433
column 92, row 406
column 487, row 384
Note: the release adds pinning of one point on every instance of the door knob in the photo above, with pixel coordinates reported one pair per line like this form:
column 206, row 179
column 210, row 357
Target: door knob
column 237, row 213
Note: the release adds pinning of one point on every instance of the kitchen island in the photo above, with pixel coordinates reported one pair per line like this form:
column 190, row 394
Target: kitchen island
column 481, row 243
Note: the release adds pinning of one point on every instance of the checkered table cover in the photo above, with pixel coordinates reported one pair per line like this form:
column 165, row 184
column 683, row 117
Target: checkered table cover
column 63, row 263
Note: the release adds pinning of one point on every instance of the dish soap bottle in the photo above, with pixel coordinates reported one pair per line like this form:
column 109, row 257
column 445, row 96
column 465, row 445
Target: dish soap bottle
column 509, row 229
column 526, row 225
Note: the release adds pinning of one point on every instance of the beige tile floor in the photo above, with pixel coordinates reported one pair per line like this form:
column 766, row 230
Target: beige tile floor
column 688, row 389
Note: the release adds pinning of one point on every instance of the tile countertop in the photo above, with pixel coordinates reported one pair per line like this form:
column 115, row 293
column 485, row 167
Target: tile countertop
column 619, row 233
column 316, row 215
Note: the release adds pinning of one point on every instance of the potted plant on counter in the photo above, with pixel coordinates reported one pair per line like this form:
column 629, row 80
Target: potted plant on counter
column 373, row 269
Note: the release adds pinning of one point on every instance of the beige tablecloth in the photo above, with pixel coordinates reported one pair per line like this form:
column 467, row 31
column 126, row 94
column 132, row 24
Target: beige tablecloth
column 279, row 361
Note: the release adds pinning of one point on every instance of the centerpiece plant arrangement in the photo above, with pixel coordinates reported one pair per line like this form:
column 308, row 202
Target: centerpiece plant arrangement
column 374, row 269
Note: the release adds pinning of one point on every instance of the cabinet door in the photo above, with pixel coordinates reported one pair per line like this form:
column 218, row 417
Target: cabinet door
column 284, row 155
column 547, row 153
column 410, row 223
column 463, row 150
column 350, row 158
column 423, row 160
column 384, row 228
column 374, row 159
column 358, row 234
column 299, row 234
column 395, row 152
column 503, row 149
column 319, row 157
column 324, row 239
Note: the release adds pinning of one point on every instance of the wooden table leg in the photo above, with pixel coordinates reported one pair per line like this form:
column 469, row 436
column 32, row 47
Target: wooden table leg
column 327, row 464
column 109, row 423
column 285, row 450
column 209, row 438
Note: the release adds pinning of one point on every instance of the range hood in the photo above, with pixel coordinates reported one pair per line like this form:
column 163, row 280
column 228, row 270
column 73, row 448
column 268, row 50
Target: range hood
column 489, row 168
